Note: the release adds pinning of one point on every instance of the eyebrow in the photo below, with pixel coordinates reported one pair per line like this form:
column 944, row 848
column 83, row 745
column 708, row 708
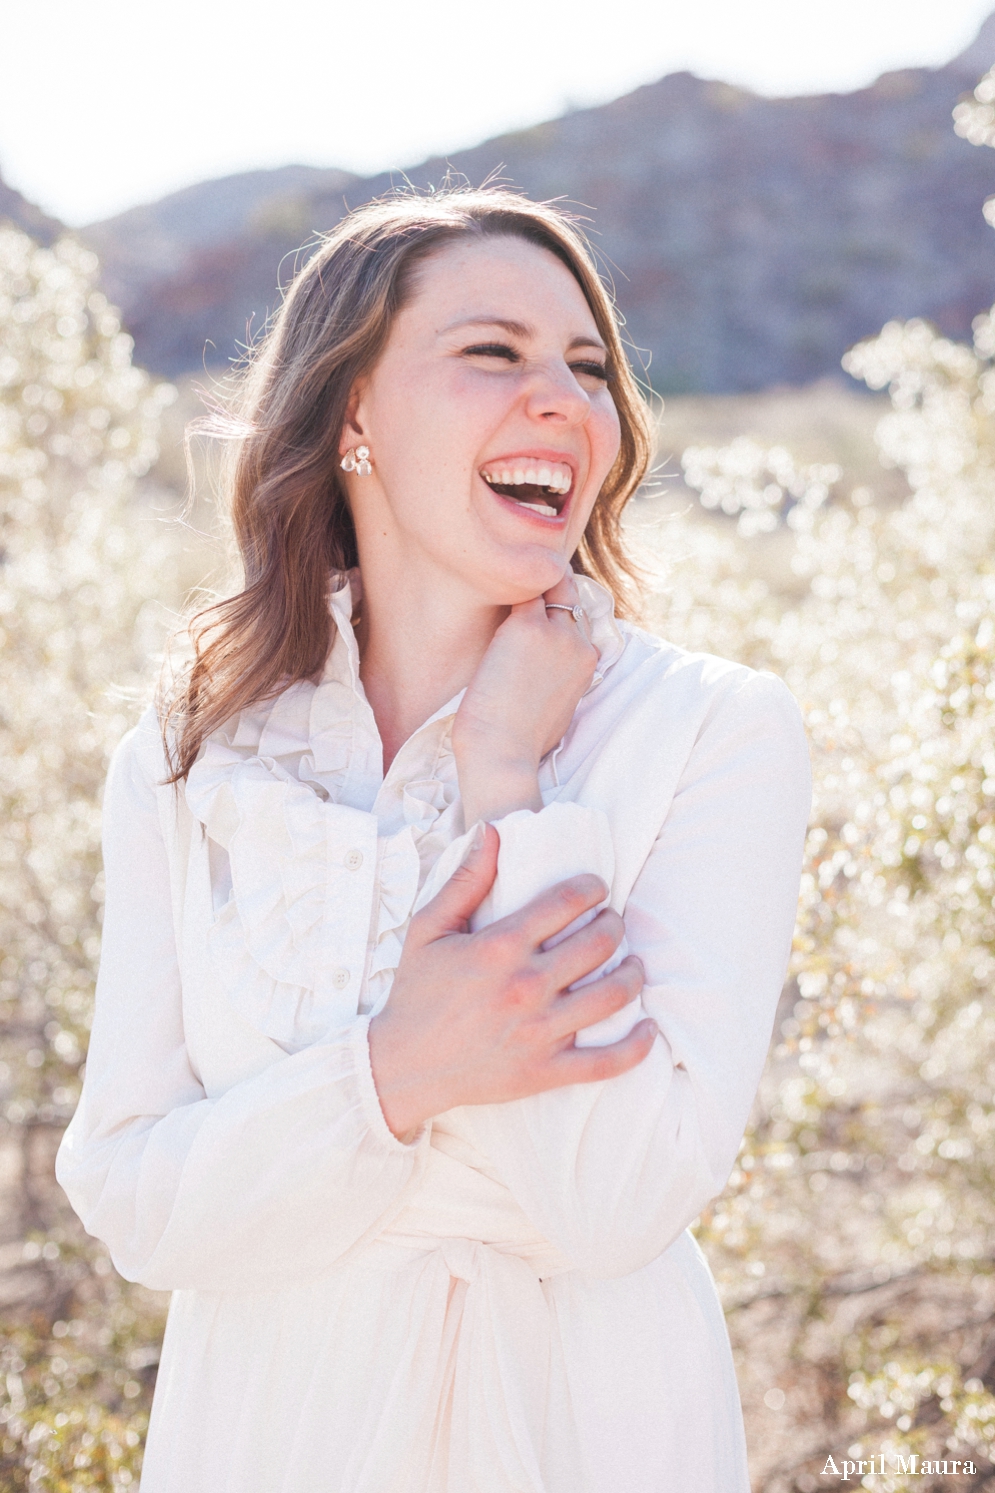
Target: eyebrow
column 521, row 329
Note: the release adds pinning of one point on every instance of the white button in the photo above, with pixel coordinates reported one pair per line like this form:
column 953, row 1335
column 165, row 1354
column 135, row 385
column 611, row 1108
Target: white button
column 354, row 860
column 340, row 979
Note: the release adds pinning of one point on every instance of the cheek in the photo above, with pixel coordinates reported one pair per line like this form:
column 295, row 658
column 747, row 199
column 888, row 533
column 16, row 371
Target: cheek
column 428, row 428
column 606, row 434
column 441, row 417
column 402, row 417
column 605, row 437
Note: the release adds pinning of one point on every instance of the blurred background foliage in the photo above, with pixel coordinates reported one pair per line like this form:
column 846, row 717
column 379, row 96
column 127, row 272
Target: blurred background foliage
column 846, row 542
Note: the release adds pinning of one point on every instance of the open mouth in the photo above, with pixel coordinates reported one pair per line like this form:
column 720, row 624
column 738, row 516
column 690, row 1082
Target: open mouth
column 541, row 487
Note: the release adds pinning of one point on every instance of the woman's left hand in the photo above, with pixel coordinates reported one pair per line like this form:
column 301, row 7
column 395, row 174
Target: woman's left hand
column 520, row 702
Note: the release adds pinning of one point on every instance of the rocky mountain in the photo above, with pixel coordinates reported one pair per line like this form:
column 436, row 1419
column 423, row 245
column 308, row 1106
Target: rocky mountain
column 163, row 240
column 751, row 239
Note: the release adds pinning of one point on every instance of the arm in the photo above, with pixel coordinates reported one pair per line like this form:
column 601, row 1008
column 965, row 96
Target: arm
column 612, row 1172
column 267, row 1183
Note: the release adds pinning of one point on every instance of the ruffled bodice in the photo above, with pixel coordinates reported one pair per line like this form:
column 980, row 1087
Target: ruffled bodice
column 301, row 821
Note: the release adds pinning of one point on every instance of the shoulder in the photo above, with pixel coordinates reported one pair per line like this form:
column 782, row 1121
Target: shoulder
column 694, row 717
column 138, row 769
column 720, row 726
column 698, row 690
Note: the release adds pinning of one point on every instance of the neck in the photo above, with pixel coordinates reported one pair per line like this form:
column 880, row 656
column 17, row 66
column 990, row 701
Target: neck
column 420, row 640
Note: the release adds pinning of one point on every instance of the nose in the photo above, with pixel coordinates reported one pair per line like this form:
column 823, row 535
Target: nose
column 555, row 397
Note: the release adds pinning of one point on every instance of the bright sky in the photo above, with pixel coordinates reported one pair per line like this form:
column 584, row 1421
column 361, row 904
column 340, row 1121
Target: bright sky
column 108, row 103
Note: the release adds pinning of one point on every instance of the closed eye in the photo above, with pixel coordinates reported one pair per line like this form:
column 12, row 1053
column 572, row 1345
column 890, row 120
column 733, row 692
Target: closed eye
column 492, row 350
column 589, row 367
column 593, row 370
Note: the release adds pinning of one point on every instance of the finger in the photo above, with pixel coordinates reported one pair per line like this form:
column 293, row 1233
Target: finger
column 450, row 910
column 577, row 1009
column 552, row 911
column 565, row 593
column 584, row 950
column 565, row 590
column 595, row 1064
column 534, row 608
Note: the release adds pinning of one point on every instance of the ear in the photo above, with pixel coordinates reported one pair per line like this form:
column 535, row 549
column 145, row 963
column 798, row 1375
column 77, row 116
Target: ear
column 354, row 432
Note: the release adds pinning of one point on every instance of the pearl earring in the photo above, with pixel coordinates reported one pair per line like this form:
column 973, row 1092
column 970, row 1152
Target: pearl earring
column 357, row 459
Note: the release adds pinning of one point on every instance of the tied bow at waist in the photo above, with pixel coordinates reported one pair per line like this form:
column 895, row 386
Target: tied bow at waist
column 491, row 1347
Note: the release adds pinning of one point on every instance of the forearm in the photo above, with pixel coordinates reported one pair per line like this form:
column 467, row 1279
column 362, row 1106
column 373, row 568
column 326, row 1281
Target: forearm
column 520, row 703
column 272, row 1181
column 611, row 1173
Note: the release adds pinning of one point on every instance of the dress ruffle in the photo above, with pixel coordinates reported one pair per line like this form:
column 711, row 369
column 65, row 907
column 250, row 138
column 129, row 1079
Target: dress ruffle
column 273, row 790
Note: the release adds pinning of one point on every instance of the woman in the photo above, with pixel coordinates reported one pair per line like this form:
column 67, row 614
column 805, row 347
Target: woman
column 444, row 934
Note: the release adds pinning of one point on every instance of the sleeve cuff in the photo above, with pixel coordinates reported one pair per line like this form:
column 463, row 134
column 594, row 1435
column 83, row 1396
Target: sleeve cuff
column 537, row 851
column 540, row 849
column 370, row 1099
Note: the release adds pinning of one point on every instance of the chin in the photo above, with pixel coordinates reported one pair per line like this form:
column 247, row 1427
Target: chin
column 509, row 584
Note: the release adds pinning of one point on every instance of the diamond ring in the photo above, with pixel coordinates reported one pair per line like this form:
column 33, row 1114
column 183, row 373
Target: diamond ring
column 577, row 612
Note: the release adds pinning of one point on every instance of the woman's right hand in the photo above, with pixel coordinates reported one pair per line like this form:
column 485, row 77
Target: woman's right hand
column 520, row 702
column 482, row 1018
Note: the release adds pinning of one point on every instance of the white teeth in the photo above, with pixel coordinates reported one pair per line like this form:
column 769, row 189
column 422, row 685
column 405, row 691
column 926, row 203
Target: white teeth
column 558, row 478
column 542, row 508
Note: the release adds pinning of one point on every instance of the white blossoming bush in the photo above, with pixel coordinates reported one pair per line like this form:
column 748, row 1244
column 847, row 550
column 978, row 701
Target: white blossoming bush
column 82, row 570
column 762, row 486
column 855, row 1242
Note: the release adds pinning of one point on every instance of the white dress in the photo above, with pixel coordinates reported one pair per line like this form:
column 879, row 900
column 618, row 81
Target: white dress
column 511, row 1302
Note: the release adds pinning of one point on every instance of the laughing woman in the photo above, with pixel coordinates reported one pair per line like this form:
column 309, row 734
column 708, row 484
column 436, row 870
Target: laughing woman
column 446, row 916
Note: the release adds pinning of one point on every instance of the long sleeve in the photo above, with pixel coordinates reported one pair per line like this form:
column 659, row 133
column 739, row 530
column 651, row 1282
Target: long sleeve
column 266, row 1183
column 612, row 1172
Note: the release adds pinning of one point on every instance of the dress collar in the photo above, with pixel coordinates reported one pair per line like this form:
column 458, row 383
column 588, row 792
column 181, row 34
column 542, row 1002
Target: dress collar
column 324, row 732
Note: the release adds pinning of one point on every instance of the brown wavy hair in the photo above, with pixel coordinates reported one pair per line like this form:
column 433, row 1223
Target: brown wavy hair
column 283, row 490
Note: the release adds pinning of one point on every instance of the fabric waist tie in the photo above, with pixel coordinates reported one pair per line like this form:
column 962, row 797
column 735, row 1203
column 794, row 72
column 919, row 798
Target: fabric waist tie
column 492, row 1354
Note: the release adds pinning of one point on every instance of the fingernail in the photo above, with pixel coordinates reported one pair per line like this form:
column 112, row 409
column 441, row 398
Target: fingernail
column 479, row 835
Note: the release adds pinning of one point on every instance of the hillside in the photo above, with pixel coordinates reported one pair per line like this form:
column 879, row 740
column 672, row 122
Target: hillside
column 23, row 214
column 754, row 238
column 156, row 241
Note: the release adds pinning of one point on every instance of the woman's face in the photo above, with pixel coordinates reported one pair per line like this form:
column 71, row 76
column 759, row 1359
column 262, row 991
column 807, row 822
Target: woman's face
column 490, row 424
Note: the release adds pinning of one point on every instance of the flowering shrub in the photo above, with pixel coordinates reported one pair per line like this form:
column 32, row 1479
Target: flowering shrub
column 855, row 1241
column 81, row 569
column 761, row 486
